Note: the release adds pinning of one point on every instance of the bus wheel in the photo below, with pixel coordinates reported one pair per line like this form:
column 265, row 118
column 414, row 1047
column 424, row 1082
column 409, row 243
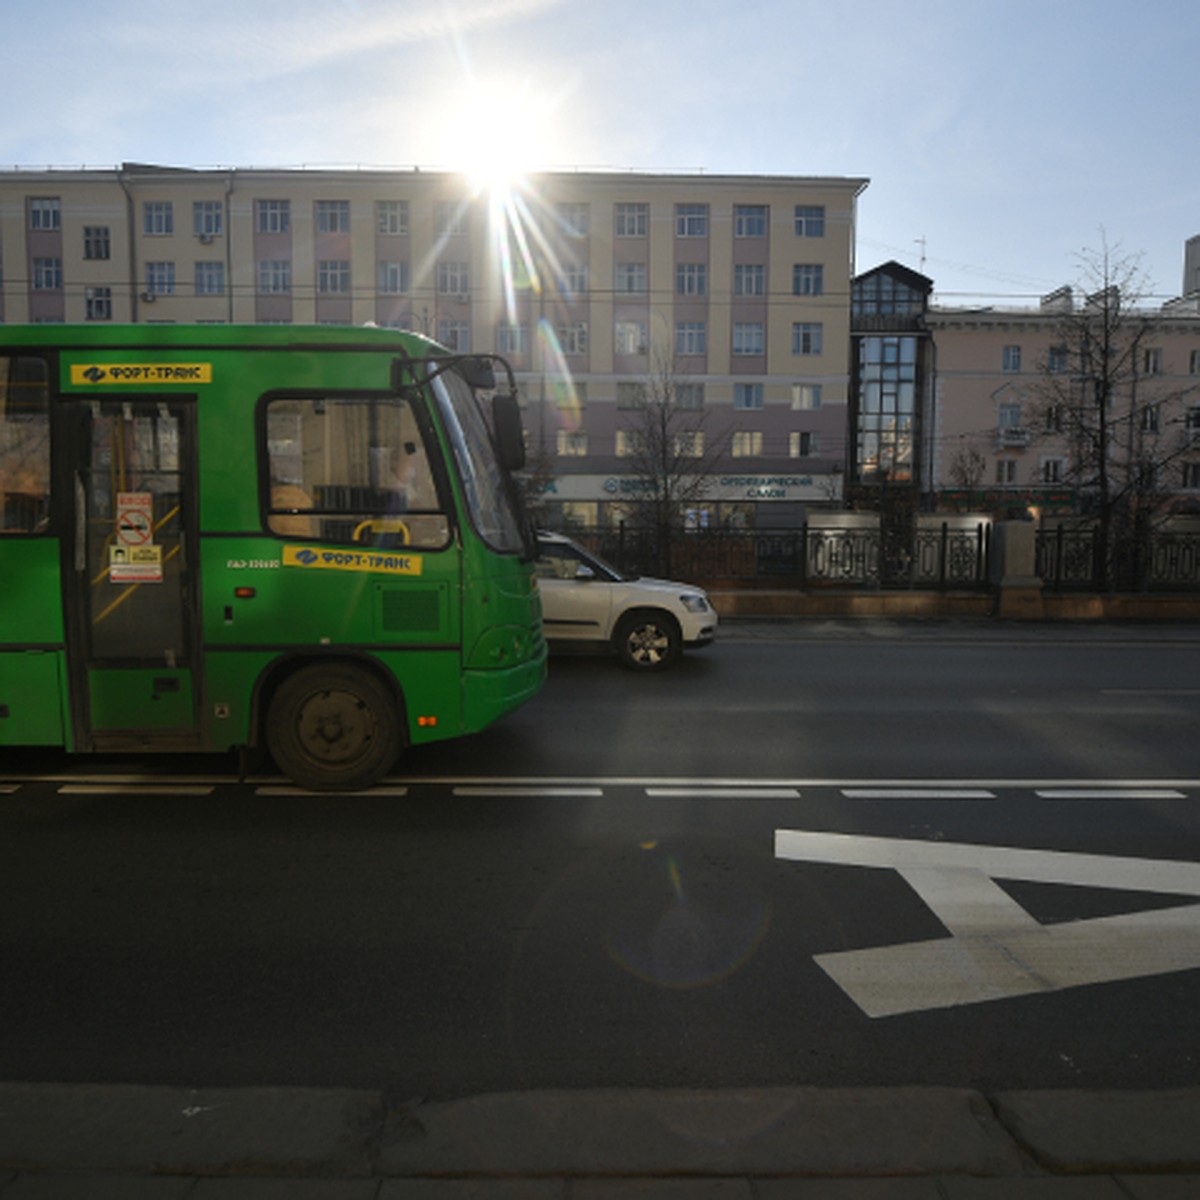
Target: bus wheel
column 333, row 728
column 647, row 641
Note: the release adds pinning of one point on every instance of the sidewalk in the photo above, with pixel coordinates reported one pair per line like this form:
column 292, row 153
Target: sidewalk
column 119, row 1142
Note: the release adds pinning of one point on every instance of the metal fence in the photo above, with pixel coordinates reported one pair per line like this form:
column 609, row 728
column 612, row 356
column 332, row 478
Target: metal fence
column 939, row 557
column 1073, row 558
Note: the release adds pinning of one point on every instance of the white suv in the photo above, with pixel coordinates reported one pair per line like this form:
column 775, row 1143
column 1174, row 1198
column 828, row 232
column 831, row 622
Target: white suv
column 587, row 602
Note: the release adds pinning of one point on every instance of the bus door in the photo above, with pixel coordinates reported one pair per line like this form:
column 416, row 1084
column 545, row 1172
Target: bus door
column 133, row 636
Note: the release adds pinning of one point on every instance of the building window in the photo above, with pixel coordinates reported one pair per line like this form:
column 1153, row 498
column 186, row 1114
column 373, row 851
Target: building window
column 691, row 279
column 804, row 444
column 160, row 278
column 1191, row 476
column 749, row 220
column 333, row 277
column 393, row 278
column 97, row 243
column 47, row 275
column 631, row 220
column 1052, row 470
column 98, row 304
column 631, row 279
column 512, row 339
column 572, row 443
column 454, row 278
column 1006, row 471
column 1150, row 418
column 158, row 218
column 630, row 442
column 572, row 339
column 452, row 219
column 807, row 337
column 1056, row 360
column 806, row 396
column 333, row 216
column 690, row 337
column 1010, row 417
column 1194, row 363
column 810, row 220
column 455, row 335
column 630, row 338
column 208, row 218
column 274, row 277
column 691, row 220
column 575, row 279
column 747, row 395
column 886, row 408
column 391, row 217
column 689, row 396
column 749, row 337
column 746, row 443
column 689, row 443
column 210, row 279
column 808, row 279
column 1011, row 360
column 574, row 219
column 631, row 395
column 749, row 279
column 1152, row 361
column 1191, row 424
column 273, row 216
column 45, row 213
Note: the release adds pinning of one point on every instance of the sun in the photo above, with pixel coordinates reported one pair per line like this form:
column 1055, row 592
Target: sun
column 496, row 133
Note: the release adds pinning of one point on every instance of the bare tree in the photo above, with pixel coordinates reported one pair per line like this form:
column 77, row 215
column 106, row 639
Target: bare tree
column 671, row 454
column 1100, row 400
column 967, row 470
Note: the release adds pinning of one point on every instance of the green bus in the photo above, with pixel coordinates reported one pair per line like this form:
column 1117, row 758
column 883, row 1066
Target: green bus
column 216, row 537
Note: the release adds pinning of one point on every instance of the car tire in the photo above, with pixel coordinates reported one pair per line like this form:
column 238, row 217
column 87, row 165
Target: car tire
column 647, row 640
column 334, row 727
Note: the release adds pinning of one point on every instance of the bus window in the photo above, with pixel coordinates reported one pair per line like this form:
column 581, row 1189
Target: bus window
column 24, row 445
column 351, row 469
column 490, row 503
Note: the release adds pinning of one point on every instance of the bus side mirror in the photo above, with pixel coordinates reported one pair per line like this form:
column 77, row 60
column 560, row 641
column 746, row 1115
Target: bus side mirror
column 510, row 441
column 479, row 373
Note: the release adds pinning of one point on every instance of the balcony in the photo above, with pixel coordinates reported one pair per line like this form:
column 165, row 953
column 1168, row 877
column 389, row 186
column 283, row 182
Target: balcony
column 1012, row 437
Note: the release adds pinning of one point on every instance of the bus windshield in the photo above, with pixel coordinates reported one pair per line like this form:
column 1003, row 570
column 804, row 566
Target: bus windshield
column 489, row 497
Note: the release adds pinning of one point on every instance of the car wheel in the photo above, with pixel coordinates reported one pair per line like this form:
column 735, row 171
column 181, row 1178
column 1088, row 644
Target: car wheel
column 648, row 641
column 333, row 728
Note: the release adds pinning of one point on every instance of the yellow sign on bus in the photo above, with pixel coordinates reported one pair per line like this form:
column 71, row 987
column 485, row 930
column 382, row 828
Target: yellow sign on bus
column 143, row 373
column 321, row 558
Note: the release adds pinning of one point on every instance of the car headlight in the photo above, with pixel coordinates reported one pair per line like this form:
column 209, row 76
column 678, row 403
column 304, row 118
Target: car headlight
column 694, row 602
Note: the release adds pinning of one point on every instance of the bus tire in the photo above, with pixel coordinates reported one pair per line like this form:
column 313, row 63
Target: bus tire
column 333, row 727
column 647, row 640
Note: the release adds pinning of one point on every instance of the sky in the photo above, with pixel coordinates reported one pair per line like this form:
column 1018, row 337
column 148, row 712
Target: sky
column 1003, row 139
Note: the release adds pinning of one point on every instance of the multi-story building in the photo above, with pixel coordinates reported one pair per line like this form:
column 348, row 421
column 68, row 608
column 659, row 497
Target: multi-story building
column 997, row 434
column 587, row 282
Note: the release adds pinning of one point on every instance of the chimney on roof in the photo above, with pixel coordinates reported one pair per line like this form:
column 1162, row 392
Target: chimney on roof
column 1061, row 300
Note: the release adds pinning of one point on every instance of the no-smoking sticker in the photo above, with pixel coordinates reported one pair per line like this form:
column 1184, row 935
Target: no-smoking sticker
column 135, row 518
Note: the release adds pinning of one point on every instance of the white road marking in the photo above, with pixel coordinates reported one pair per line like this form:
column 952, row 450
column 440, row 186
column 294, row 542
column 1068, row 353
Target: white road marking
column 722, row 793
column 998, row 950
column 910, row 793
column 136, row 789
column 526, row 792
column 1100, row 793
column 288, row 790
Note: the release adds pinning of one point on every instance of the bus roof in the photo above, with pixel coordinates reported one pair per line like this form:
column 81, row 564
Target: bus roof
column 150, row 337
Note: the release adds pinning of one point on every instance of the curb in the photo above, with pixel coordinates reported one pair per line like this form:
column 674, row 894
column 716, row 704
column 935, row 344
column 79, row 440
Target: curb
column 767, row 1132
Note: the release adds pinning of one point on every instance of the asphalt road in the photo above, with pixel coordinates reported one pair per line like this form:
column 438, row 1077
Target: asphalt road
column 597, row 891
